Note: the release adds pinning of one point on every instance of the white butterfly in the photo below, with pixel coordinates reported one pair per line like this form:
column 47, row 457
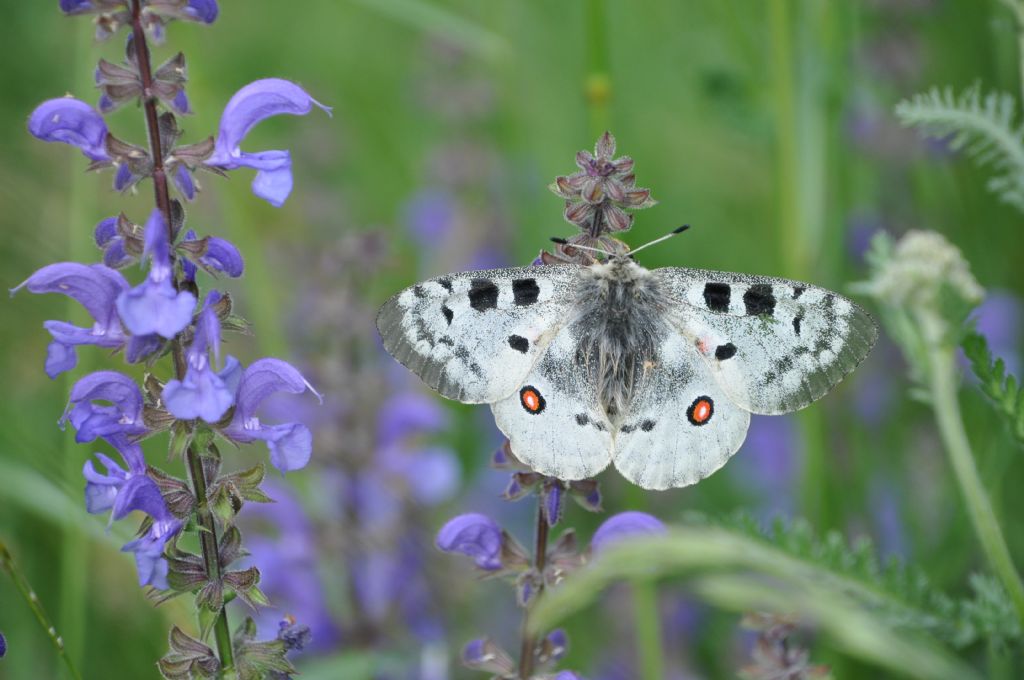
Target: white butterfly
column 655, row 371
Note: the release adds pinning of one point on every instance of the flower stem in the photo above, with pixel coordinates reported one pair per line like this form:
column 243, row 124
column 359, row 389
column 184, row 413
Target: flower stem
column 21, row 583
column 647, row 620
column 160, row 189
column 951, row 428
column 528, row 649
column 208, row 540
column 204, row 518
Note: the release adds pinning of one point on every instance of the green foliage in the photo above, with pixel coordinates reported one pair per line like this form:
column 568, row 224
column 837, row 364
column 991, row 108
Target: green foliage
column 902, row 594
column 886, row 614
column 984, row 126
column 999, row 386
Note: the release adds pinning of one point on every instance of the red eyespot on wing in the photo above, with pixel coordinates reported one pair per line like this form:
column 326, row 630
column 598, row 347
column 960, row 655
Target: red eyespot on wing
column 531, row 400
column 700, row 411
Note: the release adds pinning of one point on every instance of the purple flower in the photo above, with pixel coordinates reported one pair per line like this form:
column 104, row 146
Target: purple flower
column 568, row 675
column 484, row 655
column 290, row 444
column 149, row 551
column 3, row 646
column 216, row 255
column 475, row 535
column 182, row 178
column 116, row 423
column 252, row 104
column 76, row 6
column 430, row 216
column 202, row 10
column 73, row 122
column 998, row 318
column 112, row 243
column 204, row 393
column 623, row 525
column 102, row 490
column 406, row 414
column 154, row 306
column 96, row 288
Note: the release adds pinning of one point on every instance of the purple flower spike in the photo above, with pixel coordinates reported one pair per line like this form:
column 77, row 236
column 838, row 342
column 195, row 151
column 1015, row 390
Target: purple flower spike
column 149, row 551
column 475, row 535
column 115, row 423
column 256, row 102
column 96, row 288
column 623, row 525
column 568, row 675
column 154, row 306
column 203, row 393
column 202, row 10
column 290, row 444
column 73, row 122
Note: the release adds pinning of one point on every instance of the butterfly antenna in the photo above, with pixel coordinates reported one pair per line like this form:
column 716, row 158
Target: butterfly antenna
column 563, row 242
column 677, row 230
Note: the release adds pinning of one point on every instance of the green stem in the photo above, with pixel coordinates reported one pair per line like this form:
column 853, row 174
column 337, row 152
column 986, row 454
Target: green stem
column 986, row 526
column 8, row 564
column 598, row 86
column 528, row 647
column 1017, row 7
column 208, row 540
column 647, row 620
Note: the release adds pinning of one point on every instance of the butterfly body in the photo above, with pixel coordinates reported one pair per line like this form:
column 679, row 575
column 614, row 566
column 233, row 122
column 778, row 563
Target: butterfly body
column 654, row 370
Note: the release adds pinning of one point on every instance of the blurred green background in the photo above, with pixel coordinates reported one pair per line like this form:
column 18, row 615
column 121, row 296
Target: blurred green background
column 767, row 126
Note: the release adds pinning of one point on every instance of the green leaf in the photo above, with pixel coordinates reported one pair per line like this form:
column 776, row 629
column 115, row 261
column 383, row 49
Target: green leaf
column 741, row 573
column 983, row 126
column 1001, row 389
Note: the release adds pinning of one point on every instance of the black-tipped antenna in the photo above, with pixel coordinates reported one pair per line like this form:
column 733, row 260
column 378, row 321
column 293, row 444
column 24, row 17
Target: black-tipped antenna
column 677, row 230
column 563, row 242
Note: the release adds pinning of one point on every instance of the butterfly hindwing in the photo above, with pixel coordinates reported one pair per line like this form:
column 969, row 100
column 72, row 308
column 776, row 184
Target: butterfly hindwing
column 474, row 336
column 681, row 425
column 774, row 345
column 554, row 420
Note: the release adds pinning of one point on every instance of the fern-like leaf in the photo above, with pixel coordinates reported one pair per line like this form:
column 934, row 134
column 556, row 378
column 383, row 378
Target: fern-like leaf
column 984, row 126
column 995, row 383
column 903, row 595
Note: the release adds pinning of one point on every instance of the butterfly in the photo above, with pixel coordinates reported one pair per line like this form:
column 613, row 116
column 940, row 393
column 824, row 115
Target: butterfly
column 656, row 371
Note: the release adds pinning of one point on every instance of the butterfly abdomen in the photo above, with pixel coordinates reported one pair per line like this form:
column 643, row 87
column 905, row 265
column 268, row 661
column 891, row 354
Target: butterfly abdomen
column 618, row 328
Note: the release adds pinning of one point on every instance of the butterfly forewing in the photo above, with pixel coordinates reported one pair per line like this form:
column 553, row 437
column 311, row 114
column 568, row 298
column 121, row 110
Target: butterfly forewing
column 774, row 345
column 474, row 336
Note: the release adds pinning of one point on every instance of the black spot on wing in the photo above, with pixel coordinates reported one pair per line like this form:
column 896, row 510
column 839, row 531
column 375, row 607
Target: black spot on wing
column 726, row 351
column 798, row 291
column 418, row 291
column 525, row 291
column 582, row 419
column 796, row 323
column 445, row 283
column 448, row 314
column 518, row 343
column 716, row 296
column 483, row 295
column 626, row 429
column 647, row 425
column 446, row 340
column 759, row 300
